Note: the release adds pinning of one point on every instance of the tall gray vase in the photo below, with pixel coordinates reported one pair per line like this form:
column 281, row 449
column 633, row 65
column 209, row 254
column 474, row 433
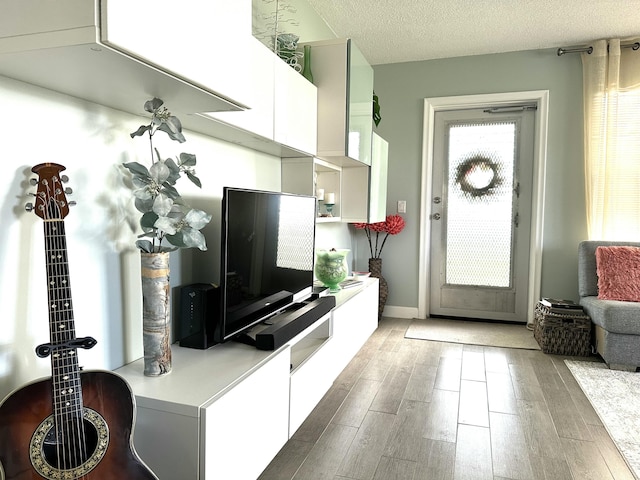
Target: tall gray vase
column 156, row 313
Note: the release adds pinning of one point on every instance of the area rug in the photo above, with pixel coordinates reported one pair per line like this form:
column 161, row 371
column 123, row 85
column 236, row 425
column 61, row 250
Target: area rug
column 615, row 396
column 491, row 334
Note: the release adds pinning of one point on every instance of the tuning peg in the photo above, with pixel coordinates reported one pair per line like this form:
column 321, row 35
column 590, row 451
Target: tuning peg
column 33, row 181
column 72, row 203
column 64, row 178
column 28, row 207
column 68, row 191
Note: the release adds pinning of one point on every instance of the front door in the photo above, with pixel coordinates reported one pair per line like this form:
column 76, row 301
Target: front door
column 480, row 220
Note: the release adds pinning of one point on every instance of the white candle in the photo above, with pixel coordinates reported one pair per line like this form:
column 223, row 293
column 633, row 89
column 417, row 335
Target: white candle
column 320, row 193
column 331, row 198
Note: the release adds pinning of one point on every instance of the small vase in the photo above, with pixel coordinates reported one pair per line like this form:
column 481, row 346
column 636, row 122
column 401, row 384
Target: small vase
column 331, row 267
column 306, row 69
column 375, row 267
column 156, row 313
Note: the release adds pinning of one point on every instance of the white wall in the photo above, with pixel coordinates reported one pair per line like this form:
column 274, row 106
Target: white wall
column 37, row 126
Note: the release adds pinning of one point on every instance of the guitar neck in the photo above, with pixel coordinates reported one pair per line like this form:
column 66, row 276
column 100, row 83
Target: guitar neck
column 65, row 372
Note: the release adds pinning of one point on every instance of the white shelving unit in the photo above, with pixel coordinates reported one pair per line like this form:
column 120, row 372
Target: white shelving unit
column 200, row 421
column 345, row 101
column 102, row 51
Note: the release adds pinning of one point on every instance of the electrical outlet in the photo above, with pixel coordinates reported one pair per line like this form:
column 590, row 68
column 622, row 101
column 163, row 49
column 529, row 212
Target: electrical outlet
column 402, row 206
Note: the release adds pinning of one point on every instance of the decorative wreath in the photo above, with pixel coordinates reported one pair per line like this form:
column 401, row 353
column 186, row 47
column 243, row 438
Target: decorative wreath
column 478, row 176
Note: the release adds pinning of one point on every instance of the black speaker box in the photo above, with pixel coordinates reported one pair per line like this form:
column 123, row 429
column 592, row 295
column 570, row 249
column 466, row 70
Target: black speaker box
column 199, row 305
column 291, row 324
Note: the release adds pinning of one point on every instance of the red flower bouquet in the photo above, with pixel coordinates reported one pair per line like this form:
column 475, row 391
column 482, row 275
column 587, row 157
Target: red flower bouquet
column 392, row 225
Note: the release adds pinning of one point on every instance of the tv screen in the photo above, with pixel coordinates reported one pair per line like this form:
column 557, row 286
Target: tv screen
column 267, row 254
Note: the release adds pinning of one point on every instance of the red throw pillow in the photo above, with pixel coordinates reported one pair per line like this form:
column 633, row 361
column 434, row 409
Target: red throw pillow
column 618, row 273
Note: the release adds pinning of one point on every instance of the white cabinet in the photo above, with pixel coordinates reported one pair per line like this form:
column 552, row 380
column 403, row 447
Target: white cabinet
column 251, row 420
column 221, row 413
column 360, row 190
column 198, row 41
column 225, row 412
column 282, row 120
column 365, row 199
column 120, row 53
column 354, row 320
column 345, row 101
column 378, row 179
column 259, row 119
column 296, row 110
column 313, row 176
column 309, row 378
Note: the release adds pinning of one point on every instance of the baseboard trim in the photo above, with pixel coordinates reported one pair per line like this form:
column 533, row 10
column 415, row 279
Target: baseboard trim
column 400, row 312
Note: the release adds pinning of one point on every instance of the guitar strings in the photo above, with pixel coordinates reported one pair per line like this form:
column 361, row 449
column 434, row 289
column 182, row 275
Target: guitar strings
column 68, row 405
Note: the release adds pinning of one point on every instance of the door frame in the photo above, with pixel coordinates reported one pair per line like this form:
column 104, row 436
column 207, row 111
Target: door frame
column 436, row 104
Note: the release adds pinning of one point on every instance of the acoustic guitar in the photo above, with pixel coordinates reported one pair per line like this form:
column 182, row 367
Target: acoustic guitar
column 75, row 424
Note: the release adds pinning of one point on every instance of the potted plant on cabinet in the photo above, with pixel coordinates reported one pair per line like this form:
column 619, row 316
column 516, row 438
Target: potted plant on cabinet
column 168, row 223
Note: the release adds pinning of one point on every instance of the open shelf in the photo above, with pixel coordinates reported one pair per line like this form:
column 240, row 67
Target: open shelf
column 308, row 342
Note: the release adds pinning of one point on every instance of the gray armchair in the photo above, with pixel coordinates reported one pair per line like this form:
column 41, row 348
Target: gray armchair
column 617, row 323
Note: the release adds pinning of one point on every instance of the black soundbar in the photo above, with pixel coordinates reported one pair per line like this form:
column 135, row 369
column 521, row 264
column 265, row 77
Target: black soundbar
column 291, row 324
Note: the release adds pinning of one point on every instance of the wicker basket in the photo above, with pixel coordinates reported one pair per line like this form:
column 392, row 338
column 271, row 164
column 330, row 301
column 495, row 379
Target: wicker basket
column 562, row 333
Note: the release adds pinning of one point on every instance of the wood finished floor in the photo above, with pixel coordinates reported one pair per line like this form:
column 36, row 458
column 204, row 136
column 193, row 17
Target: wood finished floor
column 407, row 409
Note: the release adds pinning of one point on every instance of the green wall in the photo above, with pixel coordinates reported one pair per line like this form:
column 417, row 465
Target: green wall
column 402, row 88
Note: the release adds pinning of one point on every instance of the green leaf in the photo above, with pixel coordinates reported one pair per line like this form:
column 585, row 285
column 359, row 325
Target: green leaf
column 152, row 105
column 172, row 127
column 176, row 239
column 145, row 245
column 144, row 205
column 187, row 159
column 170, row 191
column 147, row 221
column 193, row 178
column 141, row 131
column 137, row 169
column 175, row 171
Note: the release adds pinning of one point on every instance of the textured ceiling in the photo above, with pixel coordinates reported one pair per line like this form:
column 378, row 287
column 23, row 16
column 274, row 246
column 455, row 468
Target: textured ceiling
column 410, row 30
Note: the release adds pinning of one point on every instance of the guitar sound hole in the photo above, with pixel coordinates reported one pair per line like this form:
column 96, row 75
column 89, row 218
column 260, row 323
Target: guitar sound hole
column 70, row 450
column 71, row 446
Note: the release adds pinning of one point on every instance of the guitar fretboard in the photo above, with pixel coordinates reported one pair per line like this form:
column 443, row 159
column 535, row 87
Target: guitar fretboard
column 65, row 372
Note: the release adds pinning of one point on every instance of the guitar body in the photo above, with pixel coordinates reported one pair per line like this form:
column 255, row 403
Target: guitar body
column 22, row 415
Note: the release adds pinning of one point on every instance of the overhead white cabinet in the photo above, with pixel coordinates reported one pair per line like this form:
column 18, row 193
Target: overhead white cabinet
column 345, row 101
column 365, row 199
column 282, row 120
column 259, row 119
column 360, row 190
column 314, row 176
column 121, row 53
column 296, row 110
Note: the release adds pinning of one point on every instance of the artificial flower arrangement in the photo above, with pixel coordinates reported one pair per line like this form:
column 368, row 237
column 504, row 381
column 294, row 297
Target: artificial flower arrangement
column 167, row 222
column 392, row 225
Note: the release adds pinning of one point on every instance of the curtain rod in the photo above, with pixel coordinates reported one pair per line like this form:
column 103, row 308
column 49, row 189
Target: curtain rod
column 589, row 49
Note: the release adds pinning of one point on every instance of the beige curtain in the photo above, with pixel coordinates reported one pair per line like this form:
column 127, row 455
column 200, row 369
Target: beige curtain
column 612, row 141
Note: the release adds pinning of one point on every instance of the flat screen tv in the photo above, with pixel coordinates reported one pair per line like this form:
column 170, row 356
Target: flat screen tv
column 267, row 255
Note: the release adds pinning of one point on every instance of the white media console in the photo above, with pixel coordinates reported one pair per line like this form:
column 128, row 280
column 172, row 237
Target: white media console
column 225, row 412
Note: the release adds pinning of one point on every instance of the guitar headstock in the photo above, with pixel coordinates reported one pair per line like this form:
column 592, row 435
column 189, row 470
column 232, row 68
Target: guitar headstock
column 51, row 201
